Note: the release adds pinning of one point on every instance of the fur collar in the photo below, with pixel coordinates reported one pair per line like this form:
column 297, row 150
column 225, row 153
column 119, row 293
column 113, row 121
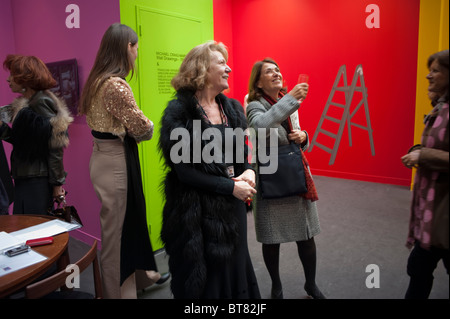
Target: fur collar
column 47, row 104
column 181, row 113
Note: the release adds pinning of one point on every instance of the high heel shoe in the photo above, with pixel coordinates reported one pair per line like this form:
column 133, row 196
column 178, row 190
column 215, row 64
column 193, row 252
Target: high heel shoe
column 163, row 279
column 314, row 292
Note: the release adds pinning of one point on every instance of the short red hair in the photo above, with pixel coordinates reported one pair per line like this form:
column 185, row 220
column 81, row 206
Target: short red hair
column 29, row 71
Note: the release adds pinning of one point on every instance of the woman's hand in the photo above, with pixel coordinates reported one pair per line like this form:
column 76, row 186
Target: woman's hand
column 300, row 91
column 248, row 176
column 411, row 159
column 297, row 136
column 59, row 193
column 242, row 190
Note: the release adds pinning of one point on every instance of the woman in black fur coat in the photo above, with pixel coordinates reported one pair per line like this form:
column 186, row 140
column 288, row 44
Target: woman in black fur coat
column 208, row 182
column 38, row 133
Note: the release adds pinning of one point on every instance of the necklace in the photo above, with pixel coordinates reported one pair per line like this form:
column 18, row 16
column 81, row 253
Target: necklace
column 223, row 116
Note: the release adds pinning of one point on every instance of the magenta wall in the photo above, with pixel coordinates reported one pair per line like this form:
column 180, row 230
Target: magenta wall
column 38, row 28
column 7, row 45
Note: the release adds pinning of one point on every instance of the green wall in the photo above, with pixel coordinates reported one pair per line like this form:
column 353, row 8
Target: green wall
column 167, row 30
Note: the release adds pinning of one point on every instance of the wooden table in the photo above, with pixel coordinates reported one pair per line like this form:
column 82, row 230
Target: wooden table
column 55, row 252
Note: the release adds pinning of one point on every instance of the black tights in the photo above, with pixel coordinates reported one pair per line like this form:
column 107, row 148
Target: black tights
column 421, row 265
column 307, row 253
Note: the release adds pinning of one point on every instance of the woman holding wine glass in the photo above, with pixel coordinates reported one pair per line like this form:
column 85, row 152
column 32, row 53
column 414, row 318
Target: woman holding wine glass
column 287, row 219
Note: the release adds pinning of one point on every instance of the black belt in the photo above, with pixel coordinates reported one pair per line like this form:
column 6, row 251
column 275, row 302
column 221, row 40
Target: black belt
column 103, row 136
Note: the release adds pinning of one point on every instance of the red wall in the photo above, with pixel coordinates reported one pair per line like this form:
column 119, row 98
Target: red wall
column 318, row 37
column 223, row 32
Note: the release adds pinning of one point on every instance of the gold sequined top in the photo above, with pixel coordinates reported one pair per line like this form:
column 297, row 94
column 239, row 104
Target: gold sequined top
column 114, row 110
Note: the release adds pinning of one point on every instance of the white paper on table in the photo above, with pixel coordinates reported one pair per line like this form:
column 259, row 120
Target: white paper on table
column 11, row 264
column 47, row 229
column 7, row 241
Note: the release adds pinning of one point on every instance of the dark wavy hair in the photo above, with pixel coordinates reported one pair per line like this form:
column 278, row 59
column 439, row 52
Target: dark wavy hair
column 442, row 58
column 29, row 72
column 254, row 92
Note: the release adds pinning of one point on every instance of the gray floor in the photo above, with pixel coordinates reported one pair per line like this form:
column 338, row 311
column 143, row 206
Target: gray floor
column 362, row 224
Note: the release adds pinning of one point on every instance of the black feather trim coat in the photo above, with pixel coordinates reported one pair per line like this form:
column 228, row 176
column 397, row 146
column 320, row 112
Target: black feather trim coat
column 39, row 135
column 198, row 228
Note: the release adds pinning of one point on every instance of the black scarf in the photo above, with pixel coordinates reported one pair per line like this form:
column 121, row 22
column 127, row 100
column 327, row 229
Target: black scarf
column 136, row 249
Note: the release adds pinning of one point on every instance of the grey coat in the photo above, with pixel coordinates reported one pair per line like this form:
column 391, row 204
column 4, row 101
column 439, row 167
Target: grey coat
column 286, row 219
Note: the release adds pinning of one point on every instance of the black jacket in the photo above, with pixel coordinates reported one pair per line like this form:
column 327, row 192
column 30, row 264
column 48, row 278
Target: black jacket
column 39, row 136
column 198, row 228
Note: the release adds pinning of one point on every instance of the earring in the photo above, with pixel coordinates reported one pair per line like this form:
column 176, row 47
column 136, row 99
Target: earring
column 24, row 90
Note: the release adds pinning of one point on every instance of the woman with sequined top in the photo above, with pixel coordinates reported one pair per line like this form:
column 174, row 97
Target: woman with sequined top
column 117, row 126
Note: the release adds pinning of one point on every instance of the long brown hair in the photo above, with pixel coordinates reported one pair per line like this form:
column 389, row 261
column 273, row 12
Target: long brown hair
column 113, row 59
column 254, row 92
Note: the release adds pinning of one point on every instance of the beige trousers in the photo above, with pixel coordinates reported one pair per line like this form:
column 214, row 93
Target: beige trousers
column 108, row 172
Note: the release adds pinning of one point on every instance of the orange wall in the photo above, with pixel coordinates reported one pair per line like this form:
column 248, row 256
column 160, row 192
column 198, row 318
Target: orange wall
column 433, row 37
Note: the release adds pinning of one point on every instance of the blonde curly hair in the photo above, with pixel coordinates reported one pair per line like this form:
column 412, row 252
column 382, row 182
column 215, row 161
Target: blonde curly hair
column 194, row 68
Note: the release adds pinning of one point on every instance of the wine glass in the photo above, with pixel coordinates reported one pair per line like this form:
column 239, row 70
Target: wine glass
column 303, row 78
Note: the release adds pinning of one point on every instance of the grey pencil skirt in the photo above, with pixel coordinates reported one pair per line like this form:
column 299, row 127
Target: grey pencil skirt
column 285, row 220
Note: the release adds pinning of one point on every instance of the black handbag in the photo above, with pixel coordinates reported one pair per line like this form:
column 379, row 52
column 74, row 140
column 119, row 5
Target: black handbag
column 289, row 178
column 66, row 213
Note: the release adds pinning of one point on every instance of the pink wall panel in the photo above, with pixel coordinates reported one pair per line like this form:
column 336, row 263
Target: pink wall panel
column 7, row 46
column 39, row 29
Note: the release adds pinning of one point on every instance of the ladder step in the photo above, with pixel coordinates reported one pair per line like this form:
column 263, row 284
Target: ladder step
column 337, row 104
column 360, row 126
column 328, row 133
column 332, row 119
column 347, row 88
column 327, row 149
